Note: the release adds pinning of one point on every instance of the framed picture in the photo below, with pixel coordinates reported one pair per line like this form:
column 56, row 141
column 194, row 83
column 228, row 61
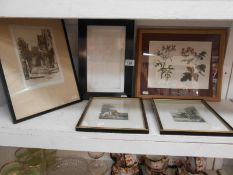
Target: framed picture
column 113, row 114
column 36, row 67
column 106, row 62
column 189, row 117
column 180, row 63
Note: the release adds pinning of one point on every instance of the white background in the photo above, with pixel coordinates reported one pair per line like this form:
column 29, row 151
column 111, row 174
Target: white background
column 105, row 58
column 2, row 98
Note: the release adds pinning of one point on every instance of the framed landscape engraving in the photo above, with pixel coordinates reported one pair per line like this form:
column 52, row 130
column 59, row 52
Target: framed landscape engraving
column 106, row 63
column 189, row 117
column 113, row 114
column 36, row 67
column 180, row 63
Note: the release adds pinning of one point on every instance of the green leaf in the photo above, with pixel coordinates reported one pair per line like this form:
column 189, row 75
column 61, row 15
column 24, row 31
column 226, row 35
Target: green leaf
column 186, row 76
column 201, row 55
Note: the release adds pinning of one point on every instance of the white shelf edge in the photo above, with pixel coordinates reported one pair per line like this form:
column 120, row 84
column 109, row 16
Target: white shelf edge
column 125, row 9
column 55, row 130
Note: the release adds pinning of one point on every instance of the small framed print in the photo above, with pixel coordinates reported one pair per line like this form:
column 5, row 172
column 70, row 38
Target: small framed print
column 189, row 117
column 113, row 114
column 106, row 62
column 36, row 67
column 180, row 63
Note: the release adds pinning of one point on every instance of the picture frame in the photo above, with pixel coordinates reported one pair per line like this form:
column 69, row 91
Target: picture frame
column 106, row 58
column 114, row 114
column 36, row 67
column 189, row 117
column 180, row 63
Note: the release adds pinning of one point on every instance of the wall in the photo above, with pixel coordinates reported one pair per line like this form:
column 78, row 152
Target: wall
column 230, row 88
column 72, row 34
column 227, row 89
column 2, row 98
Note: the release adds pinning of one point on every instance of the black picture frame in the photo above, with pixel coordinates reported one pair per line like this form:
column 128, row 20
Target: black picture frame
column 169, row 131
column 129, row 55
column 109, row 129
column 8, row 96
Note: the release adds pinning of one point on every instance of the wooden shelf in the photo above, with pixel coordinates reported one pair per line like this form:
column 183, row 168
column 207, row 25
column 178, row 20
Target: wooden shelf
column 55, row 130
column 127, row 9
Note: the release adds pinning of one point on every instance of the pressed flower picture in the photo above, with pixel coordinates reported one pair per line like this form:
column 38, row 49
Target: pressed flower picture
column 179, row 64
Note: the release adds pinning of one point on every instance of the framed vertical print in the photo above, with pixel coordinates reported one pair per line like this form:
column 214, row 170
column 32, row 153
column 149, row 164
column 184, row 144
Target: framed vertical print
column 114, row 114
column 180, row 63
column 36, row 67
column 189, row 117
column 106, row 63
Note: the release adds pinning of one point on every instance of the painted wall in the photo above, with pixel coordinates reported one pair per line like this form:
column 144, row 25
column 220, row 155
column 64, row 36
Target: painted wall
column 227, row 84
column 230, row 88
column 2, row 98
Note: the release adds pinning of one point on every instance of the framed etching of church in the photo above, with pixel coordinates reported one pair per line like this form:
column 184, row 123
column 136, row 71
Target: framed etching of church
column 36, row 67
column 114, row 114
column 106, row 62
column 189, row 117
column 180, row 63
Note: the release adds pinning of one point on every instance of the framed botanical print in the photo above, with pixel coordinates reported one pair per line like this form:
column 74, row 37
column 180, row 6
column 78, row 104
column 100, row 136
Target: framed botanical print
column 36, row 67
column 189, row 117
column 180, row 63
column 106, row 62
column 114, row 114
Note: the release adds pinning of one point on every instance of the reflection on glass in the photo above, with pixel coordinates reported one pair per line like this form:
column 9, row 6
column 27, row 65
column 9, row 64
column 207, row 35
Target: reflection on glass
column 68, row 166
column 97, row 167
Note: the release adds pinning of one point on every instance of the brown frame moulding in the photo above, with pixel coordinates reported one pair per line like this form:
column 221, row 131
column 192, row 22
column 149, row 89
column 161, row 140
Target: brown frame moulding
column 216, row 36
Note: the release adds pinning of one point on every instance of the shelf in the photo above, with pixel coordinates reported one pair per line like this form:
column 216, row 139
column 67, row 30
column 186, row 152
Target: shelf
column 55, row 130
column 128, row 9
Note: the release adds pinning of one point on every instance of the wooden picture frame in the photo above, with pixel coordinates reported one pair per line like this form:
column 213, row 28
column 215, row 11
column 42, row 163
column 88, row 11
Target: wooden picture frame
column 180, row 63
column 114, row 114
column 189, row 117
column 106, row 62
column 36, row 67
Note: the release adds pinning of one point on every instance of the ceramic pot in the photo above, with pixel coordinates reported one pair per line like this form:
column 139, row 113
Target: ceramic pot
column 125, row 160
column 118, row 170
column 195, row 164
column 150, row 171
column 157, row 163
